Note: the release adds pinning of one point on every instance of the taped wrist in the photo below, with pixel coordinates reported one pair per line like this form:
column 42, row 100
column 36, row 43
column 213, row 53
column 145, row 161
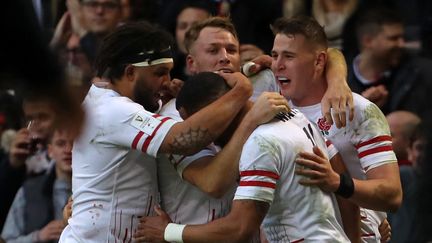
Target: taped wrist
column 346, row 186
column 174, row 232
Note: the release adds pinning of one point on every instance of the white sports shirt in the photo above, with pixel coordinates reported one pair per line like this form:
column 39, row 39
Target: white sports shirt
column 364, row 143
column 114, row 180
column 297, row 213
column 183, row 202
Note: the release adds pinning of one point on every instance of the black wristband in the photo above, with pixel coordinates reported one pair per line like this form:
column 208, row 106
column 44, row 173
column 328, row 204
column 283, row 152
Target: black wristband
column 346, row 186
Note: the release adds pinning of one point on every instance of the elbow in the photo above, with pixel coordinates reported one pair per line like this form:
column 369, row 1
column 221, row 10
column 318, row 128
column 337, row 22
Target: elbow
column 244, row 234
column 396, row 201
column 214, row 191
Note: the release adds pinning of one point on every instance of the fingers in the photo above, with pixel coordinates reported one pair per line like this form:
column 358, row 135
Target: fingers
column 310, row 164
column 318, row 152
column 158, row 210
column 326, row 111
column 318, row 157
column 350, row 103
column 310, row 174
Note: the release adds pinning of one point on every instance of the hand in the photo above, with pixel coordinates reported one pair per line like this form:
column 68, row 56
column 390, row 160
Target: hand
column 338, row 95
column 249, row 52
column 152, row 229
column 237, row 79
column 259, row 63
column 385, row 231
column 51, row 231
column 337, row 99
column 62, row 31
column 67, row 211
column 319, row 171
column 171, row 90
column 20, row 151
column 376, row 94
column 267, row 106
column 77, row 21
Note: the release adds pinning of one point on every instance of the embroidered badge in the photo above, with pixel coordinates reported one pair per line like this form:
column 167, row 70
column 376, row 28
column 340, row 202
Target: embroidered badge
column 145, row 123
column 323, row 126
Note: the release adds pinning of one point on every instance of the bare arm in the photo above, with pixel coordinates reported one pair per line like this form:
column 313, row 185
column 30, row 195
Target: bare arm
column 338, row 95
column 203, row 127
column 214, row 175
column 239, row 225
column 350, row 212
column 380, row 191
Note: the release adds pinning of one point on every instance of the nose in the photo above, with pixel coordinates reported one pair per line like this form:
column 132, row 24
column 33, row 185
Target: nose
column 277, row 64
column 68, row 148
column 223, row 57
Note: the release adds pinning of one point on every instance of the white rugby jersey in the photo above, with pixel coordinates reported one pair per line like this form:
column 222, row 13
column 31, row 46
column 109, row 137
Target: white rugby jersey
column 264, row 81
column 183, row 202
column 364, row 143
column 267, row 170
column 114, row 178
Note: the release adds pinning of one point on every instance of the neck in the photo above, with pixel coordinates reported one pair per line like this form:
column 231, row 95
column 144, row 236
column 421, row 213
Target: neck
column 60, row 175
column 313, row 96
column 120, row 86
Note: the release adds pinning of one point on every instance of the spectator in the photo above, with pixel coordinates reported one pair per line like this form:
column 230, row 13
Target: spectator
column 402, row 124
column 36, row 213
column 382, row 72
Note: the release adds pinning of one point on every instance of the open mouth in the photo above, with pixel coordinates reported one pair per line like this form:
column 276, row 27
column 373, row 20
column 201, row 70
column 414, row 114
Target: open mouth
column 283, row 80
column 225, row 70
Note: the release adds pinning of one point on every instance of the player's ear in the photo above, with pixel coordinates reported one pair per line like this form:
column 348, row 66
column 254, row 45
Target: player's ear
column 191, row 64
column 130, row 72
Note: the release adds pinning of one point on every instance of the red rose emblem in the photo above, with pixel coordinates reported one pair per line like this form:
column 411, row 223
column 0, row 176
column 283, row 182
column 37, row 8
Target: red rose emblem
column 323, row 125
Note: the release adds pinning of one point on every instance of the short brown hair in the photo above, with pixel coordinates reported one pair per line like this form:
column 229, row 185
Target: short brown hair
column 304, row 25
column 218, row 22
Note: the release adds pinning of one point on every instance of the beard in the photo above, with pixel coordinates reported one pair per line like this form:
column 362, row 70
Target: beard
column 145, row 98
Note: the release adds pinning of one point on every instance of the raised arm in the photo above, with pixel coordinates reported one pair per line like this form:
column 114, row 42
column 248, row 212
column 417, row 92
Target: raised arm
column 205, row 126
column 214, row 175
column 338, row 95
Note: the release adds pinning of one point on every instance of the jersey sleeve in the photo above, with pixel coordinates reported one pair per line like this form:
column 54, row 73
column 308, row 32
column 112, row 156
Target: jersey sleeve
column 259, row 171
column 331, row 149
column 181, row 162
column 373, row 141
column 129, row 125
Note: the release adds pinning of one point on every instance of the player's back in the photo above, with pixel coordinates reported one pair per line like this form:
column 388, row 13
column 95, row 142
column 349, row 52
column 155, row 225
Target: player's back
column 268, row 166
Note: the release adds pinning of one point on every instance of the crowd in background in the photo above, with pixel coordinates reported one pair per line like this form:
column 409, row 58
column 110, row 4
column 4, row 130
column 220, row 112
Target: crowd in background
column 49, row 49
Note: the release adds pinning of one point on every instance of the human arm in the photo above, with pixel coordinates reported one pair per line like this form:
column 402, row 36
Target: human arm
column 13, row 229
column 338, row 95
column 376, row 94
column 327, row 178
column 239, row 225
column 380, row 191
column 214, row 175
column 203, row 127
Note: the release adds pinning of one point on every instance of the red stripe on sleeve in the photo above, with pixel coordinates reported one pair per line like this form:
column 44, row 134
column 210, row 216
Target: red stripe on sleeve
column 258, row 183
column 259, row 173
column 136, row 139
column 375, row 150
column 296, row 241
column 149, row 138
column 328, row 143
column 374, row 140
